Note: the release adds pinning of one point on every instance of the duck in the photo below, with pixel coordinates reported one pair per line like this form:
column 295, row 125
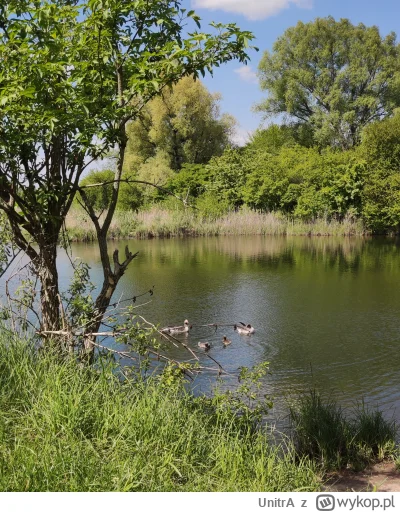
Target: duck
column 178, row 330
column 242, row 328
column 225, row 341
column 204, row 344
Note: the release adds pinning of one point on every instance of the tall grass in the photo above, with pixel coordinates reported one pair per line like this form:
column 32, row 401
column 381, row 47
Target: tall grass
column 161, row 222
column 70, row 428
column 323, row 433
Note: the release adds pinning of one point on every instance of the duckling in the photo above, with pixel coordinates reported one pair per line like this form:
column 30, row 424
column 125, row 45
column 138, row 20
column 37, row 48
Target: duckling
column 178, row 330
column 244, row 329
column 204, row 344
column 225, row 341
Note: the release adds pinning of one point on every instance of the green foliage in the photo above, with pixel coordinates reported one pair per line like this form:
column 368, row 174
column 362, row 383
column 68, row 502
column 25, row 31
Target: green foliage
column 275, row 174
column 155, row 170
column 184, row 122
column 228, row 177
column 99, row 197
column 333, row 76
column 311, row 204
column 73, row 75
column 273, row 138
column 294, row 179
column 381, row 194
column 130, row 196
column 380, row 143
column 211, row 206
column 192, row 179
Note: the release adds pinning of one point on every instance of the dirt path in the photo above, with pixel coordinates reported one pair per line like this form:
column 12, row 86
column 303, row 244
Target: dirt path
column 382, row 477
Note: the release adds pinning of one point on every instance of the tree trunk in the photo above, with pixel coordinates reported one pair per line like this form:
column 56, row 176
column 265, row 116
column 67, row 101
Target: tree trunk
column 102, row 302
column 46, row 269
column 111, row 279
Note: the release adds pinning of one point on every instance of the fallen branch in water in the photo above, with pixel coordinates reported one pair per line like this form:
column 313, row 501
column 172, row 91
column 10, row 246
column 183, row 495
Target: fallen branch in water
column 115, row 333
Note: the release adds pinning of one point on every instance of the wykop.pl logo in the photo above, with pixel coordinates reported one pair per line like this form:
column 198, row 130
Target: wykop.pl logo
column 325, row 502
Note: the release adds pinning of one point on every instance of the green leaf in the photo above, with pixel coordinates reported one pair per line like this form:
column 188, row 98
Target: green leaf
column 29, row 92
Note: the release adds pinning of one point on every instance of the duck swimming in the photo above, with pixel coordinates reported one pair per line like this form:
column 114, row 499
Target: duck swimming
column 178, row 330
column 225, row 341
column 204, row 344
column 242, row 328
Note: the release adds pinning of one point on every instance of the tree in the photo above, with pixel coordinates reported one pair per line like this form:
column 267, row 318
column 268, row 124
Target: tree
column 275, row 136
column 184, row 122
column 73, row 74
column 99, row 197
column 333, row 76
column 381, row 195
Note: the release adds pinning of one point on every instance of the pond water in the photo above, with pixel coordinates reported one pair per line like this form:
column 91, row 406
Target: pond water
column 326, row 311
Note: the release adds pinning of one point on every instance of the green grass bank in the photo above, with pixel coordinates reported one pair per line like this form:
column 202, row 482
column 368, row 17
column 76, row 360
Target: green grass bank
column 64, row 427
column 164, row 222
column 68, row 428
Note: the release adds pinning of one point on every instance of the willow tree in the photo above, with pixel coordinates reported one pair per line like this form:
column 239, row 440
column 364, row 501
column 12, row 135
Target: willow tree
column 332, row 76
column 73, row 74
column 184, row 122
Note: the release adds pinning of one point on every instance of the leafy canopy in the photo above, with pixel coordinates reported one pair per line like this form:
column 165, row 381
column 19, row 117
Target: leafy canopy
column 381, row 195
column 184, row 122
column 333, row 76
column 73, row 74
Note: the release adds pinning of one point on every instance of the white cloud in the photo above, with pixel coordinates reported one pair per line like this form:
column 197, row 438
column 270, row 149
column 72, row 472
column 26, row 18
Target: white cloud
column 240, row 136
column 247, row 74
column 252, row 9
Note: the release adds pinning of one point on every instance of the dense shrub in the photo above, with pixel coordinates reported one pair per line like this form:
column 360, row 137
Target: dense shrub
column 130, row 195
column 381, row 194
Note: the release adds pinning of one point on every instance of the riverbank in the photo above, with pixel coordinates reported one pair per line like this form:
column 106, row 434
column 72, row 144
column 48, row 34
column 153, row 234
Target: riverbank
column 68, row 428
column 159, row 222
column 64, row 427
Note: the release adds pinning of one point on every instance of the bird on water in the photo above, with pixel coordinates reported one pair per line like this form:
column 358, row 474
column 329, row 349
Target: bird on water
column 181, row 329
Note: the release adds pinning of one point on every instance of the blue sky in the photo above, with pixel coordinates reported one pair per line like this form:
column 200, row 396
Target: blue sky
column 268, row 19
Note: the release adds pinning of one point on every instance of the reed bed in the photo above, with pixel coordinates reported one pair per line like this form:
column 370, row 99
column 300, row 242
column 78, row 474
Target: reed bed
column 158, row 222
column 335, row 440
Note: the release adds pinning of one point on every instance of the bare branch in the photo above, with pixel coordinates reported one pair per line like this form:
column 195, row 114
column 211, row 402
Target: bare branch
column 141, row 182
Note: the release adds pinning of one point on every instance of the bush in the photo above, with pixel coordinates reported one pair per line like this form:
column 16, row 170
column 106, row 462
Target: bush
column 99, row 197
column 211, row 206
column 130, row 195
column 381, row 195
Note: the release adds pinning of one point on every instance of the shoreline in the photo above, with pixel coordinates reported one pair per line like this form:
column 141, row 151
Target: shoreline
column 158, row 222
column 155, row 417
